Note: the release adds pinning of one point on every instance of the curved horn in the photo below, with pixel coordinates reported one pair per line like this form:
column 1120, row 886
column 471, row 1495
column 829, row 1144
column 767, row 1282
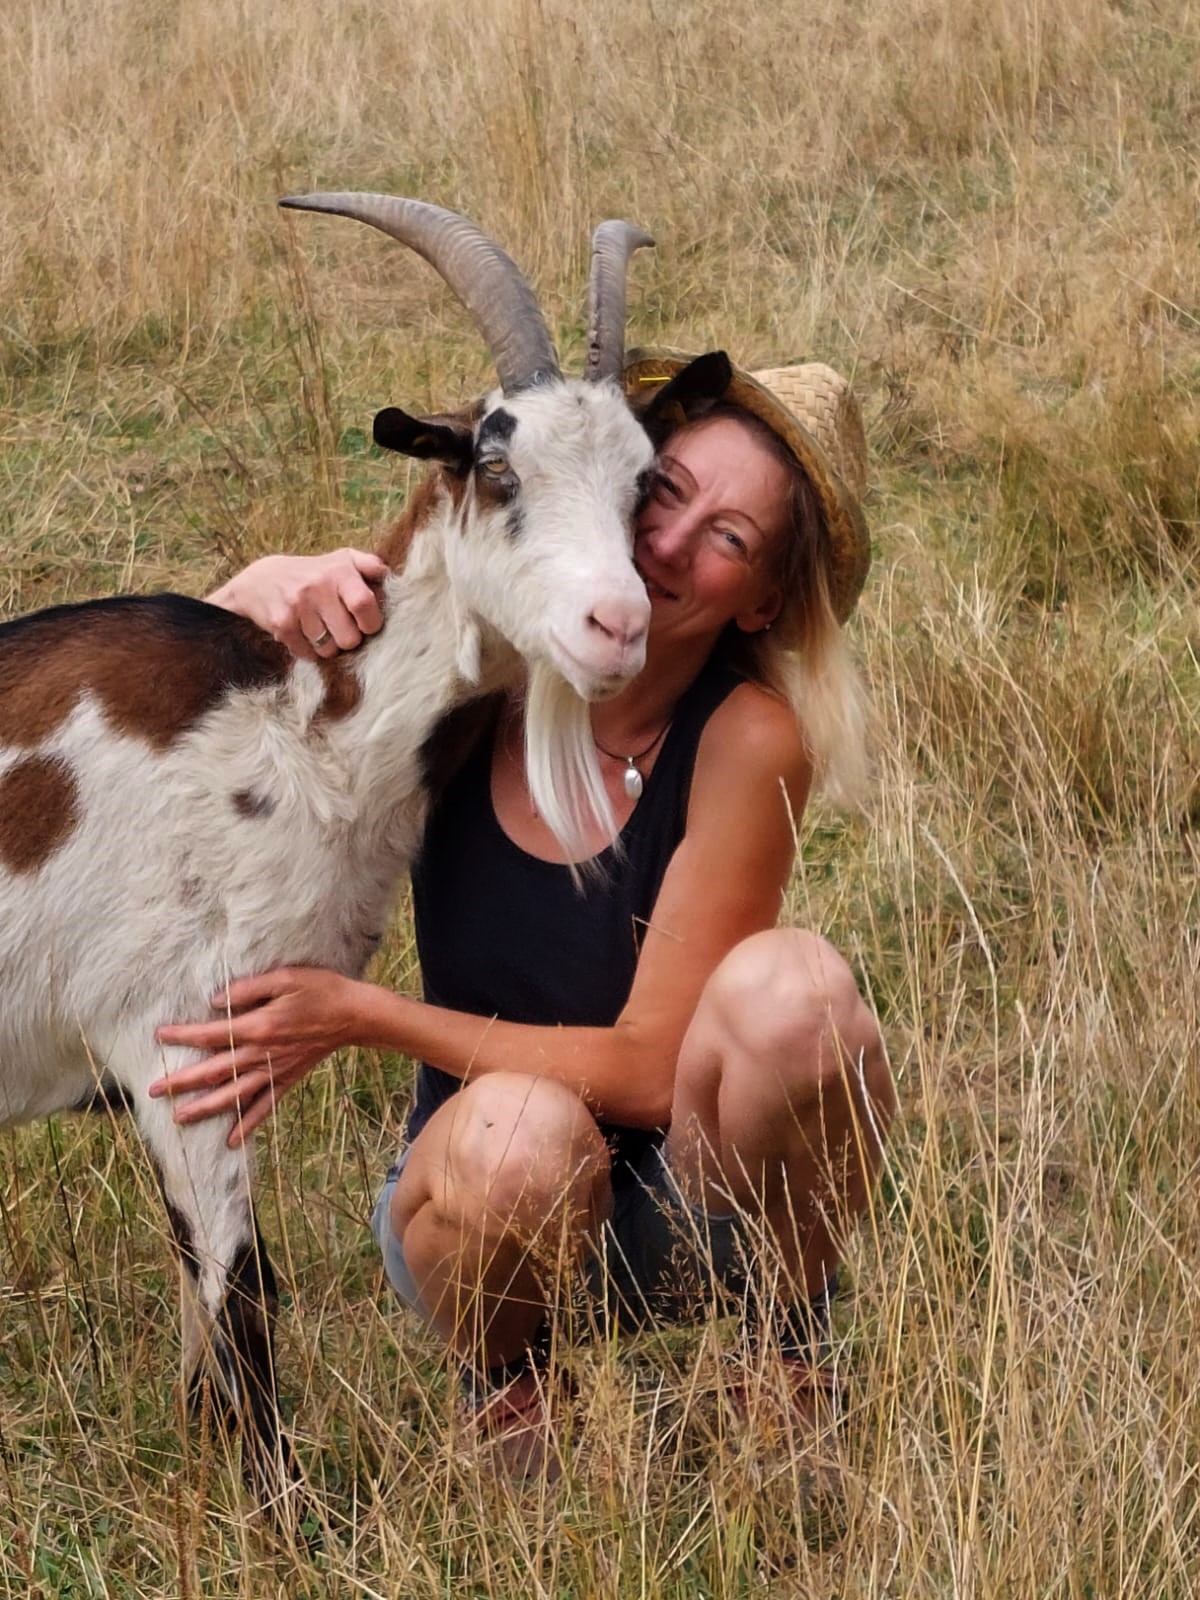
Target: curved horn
column 612, row 245
column 487, row 280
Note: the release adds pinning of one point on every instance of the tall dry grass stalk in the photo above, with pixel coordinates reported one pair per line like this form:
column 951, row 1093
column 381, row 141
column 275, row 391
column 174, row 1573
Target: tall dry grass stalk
column 988, row 214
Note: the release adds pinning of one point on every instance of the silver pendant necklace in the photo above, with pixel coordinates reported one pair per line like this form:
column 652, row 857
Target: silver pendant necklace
column 633, row 780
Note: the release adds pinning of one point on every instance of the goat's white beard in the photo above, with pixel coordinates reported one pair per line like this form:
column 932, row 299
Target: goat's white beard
column 561, row 766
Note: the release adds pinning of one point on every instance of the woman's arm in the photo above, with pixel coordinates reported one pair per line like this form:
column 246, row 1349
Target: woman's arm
column 298, row 598
column 725, row 881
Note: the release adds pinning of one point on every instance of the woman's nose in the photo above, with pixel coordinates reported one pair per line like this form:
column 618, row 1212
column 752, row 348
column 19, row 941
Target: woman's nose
column 671, row 539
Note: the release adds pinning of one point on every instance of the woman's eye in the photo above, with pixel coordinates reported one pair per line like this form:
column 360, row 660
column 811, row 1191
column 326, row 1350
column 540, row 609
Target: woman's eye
column 733, row 540
column 665, row 488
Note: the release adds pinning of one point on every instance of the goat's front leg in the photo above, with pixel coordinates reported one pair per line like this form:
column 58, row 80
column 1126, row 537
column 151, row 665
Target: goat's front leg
column 229, row 1294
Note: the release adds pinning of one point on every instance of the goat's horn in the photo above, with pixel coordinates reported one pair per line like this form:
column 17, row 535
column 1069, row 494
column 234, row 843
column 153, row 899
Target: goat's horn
column 612, row 245
column 487, row 280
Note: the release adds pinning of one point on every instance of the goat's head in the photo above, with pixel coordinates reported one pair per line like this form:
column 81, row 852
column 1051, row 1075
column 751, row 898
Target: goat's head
column 551, row 466
column 542, row 553
column 551, row 470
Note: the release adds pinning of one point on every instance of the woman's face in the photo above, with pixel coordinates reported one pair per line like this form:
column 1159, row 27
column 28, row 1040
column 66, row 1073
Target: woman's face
column 707, row 540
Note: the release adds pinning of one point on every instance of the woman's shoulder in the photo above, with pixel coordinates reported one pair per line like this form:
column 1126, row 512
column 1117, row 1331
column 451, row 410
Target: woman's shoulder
column 754, row 721
column 751, row 744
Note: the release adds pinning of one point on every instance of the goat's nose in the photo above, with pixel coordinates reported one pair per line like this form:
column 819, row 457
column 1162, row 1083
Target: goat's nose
column 624, row 622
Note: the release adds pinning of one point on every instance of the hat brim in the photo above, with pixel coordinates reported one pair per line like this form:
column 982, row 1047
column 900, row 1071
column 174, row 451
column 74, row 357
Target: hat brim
column 849, row 543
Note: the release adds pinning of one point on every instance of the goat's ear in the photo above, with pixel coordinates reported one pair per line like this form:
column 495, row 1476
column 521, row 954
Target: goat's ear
column 450, row 440
column 702, row 382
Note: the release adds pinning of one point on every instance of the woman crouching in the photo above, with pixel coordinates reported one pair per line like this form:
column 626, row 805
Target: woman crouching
column 647, row 1078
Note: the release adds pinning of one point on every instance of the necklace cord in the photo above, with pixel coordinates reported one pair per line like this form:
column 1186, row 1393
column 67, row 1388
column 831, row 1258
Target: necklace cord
column 641, row 754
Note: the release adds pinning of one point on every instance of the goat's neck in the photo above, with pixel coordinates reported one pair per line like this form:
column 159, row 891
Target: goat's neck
column 429, row 658
column 434, row 655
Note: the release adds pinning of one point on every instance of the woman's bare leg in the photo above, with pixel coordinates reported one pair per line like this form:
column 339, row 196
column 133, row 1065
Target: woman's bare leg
column 503, row 1187
column 782, row 1098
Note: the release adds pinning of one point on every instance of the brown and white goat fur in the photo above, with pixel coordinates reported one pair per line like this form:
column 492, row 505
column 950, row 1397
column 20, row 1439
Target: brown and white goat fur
column 182, row 802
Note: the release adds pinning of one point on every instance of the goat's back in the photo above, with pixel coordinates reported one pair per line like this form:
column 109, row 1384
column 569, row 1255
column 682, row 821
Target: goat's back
column 154, row 663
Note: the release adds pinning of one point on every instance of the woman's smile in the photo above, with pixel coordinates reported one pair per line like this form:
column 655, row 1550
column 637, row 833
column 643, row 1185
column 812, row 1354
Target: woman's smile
column 654, row 589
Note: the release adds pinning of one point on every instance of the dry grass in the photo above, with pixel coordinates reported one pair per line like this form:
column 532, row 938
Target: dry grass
column 989, row 215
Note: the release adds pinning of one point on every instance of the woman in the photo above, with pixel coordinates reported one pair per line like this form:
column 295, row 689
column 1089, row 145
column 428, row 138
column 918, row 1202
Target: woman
column 649, row 1074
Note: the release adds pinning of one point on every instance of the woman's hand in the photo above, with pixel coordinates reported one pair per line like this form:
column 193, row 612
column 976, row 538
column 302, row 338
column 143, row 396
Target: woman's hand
column 300, row 599
column 272, row 1031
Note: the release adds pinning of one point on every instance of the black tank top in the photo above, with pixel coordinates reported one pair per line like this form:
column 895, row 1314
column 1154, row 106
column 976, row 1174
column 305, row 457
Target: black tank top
column 501, row 933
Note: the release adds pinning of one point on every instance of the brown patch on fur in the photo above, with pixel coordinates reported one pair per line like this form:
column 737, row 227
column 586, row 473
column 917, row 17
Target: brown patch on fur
column 343, row 689
column 39, row 806
column 397, row 540
column 155, row 665
column 252, row 806
column 342, row 693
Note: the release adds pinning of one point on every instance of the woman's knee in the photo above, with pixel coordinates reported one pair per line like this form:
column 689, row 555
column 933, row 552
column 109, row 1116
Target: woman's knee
column 515, row 1149
column 785, row 1002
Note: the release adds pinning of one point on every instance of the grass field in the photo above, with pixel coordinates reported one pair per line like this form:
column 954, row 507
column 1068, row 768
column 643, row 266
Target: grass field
column 988, row 214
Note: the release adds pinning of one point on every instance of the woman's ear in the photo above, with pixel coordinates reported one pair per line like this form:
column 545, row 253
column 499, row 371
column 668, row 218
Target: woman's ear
column 760, row 617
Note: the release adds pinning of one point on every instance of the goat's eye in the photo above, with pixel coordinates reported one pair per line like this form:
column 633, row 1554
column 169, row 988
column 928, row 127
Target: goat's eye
column 494, row 466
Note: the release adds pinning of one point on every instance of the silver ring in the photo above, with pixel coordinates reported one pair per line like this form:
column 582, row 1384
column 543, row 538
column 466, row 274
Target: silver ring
column 322, row 638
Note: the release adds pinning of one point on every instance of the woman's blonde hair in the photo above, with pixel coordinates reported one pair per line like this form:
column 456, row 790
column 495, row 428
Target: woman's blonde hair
column 803, row 656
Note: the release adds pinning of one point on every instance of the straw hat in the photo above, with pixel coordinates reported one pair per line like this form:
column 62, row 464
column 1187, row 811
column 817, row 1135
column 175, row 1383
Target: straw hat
column 812, row 409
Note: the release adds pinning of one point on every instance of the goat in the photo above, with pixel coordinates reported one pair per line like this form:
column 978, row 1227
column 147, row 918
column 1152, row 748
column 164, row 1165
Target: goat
column 181, row 801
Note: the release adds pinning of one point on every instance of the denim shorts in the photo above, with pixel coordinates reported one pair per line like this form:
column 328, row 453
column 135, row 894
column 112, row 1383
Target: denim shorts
column 660, row 1259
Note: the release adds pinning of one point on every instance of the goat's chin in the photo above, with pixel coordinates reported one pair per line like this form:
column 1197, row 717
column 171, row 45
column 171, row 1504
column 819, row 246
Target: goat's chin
column 595, row 679
column 560, row 761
